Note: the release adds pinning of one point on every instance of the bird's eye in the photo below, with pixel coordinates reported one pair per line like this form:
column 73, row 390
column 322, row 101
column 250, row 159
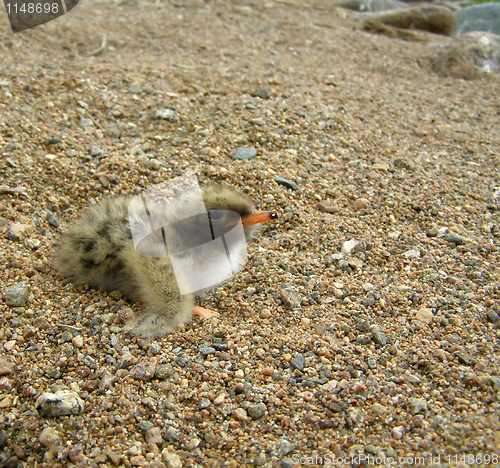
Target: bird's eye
column 215, row 215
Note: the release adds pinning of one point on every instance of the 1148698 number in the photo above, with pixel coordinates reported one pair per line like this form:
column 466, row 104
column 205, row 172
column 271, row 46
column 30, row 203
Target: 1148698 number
column 32, row 8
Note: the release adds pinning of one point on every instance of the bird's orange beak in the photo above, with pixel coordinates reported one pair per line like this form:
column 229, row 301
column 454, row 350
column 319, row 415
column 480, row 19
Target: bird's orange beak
column 259, row 217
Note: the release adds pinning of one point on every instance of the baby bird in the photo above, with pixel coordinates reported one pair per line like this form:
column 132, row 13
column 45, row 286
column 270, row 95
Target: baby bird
column 161, row 254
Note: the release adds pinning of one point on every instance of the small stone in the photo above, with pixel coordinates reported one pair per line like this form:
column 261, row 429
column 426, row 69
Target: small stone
column 193, row 443
column 397, row 432
column 412, row 254
column 166, row 114
column 327, row 207
column 379, row 338
column 257, row 411
column 361, row 204
column 154, row 348
column 424, row 316
column 17, row 231
column 203, row 403
column 154, row 164
column 206, row 350
column 286, row 183
column 163, row 371
column 16, row 295
column 138, row 460
column 51, row 439
column 417, row 405
column 348, row 246
column 143, row 371
column 171, row 459
column 114, row 130
column 77, row 341
column 76, row 454
column 61, row 403
column 125, row 361
column 240, row 414
column 54, row 140
column 145, row 425
column 84, row 123
column 153, row 436
column 492, row 316
column 265, row 314
column 258, row 122
column 284, row 447
column 291, row 298
column 245, row 153
column 298, row 362
column 7, row 365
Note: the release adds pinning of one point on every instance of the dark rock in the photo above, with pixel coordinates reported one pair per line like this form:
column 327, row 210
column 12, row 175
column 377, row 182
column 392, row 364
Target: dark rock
column 298, row 362
column 52, row 220
column 54, row 140
column 492, row 316
column 286, row 183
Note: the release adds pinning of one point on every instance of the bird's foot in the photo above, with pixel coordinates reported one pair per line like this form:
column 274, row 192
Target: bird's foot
column 204, row 313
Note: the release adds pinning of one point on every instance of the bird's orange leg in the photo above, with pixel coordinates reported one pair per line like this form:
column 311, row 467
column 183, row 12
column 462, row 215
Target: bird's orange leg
column 204, row 313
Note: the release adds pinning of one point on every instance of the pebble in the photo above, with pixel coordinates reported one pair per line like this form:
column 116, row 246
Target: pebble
column 166, row 114
column 257, row 121
column 78, row 341
column 114, row 130
column 171, row 459
column 348, row 247
column 360, row 204
column 51, row 439
column 284, row 447
column 245, row 153
column 7, row 366
column 17, row 295
column 298, row 362
column 291, row 298
column 256, row 411
column 424, row 315
column 61, row 403
column 153, row 436
column 412, row 254
column 492, row 317
column 51, row 218
column 155, row 348
column 85, row 123
column 206, row 350
column 143, row 371
column 327, row 207
column 54, row 140
column 240, row 414
column 18, row 231
column 286, row 183
column 397, row 432
column 417, row 405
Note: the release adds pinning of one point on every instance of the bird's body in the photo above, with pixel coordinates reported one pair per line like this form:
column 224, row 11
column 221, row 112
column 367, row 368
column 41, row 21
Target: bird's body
column 116, row 246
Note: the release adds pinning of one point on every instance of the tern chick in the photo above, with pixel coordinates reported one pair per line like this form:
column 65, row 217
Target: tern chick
column 176, row 255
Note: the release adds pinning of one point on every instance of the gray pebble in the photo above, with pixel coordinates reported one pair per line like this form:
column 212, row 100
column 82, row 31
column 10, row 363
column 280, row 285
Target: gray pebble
column 16, row 295
column 284, row 447
column 52, row 220
column 206, row 350
column 286, row 183
column 291, row 298
column 287, row 463
column 114, row 130
column 163, row 371
column 154, row 348
column 298, row 362
column 257, row 411
column 417, row 405
column 492, row 316
column 245, row 153
column 84, row 123
column 54, row 140
column 145, row 425
column 61, row 403
column 363, row 339
column 203, row 403
column 153, row 436
column 379, row 338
